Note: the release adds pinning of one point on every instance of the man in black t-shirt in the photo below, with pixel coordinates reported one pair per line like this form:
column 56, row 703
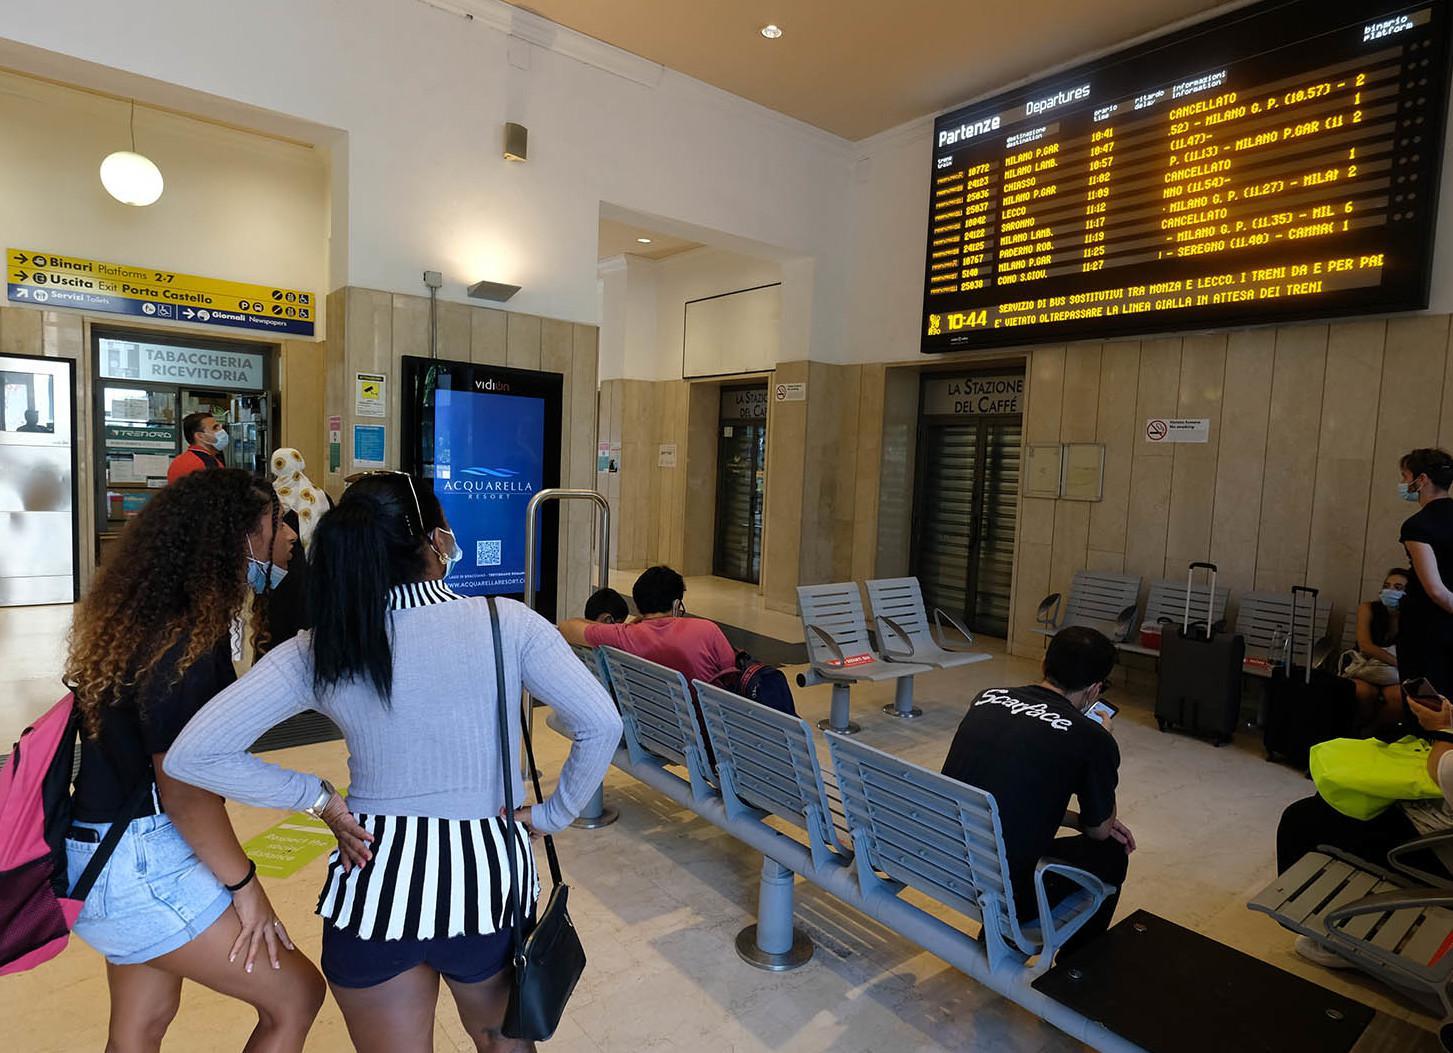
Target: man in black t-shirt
column 1033, row 748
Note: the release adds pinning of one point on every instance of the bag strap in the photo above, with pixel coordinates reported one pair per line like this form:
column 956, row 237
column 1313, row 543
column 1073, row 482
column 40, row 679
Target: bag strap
column 134, row 804
column 517, row 922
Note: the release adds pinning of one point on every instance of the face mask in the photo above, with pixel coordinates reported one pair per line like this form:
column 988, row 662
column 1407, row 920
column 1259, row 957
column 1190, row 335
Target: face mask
column 1390, row 597
column 220, row 439
column 453, row 556
column 261, row 575
column 1407, row 491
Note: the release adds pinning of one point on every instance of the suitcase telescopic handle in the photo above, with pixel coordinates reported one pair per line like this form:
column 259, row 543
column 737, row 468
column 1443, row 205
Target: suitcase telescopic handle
column 1210, row 569
column 1297, row 591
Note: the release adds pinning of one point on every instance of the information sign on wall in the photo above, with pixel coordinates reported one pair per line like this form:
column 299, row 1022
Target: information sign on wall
column 1169, row 429
column 173, row 364
column 47, row 279
column 744, row 404
column 973, row 396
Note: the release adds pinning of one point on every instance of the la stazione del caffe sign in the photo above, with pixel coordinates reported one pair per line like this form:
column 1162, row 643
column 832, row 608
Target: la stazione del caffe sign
column 974, row 396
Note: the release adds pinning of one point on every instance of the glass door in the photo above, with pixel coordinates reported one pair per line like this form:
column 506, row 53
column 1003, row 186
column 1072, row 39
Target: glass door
column 139, row 440
column 248, row 420
column 741, row 486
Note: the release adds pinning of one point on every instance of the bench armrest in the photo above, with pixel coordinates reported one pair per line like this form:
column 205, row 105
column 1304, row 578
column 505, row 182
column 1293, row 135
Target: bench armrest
column 883, row 640
column 1421, row 844
column 1125, row 622
column 1048, row 613
column 827, row 638
column 1055, row 938
column 939, row 617
column 1383, row 902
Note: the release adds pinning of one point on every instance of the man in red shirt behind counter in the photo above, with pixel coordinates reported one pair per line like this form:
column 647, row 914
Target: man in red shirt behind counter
column 206, row 438
column 694, row 647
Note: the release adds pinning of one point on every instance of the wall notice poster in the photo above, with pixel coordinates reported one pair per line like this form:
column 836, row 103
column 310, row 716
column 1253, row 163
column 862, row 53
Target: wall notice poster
column 368, row 446
column 666, row 455
column 368, row 395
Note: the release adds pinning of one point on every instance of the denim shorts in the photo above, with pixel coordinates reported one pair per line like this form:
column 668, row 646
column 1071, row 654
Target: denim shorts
column 153, row 896
column 352, row 962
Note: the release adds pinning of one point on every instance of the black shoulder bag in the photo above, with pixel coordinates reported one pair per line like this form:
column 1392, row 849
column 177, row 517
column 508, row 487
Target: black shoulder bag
column 548, row 959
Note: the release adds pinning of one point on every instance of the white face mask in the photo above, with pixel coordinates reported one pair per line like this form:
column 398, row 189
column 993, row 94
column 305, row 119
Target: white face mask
column 220, row 438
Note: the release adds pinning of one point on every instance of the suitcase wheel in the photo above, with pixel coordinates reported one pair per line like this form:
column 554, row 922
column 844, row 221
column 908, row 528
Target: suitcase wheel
column 1160, row 722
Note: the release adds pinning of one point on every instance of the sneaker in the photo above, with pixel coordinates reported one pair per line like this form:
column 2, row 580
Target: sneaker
column 1315, row 953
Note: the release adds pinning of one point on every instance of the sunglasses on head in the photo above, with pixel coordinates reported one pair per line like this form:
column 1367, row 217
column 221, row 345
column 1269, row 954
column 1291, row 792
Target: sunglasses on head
column 418, row 510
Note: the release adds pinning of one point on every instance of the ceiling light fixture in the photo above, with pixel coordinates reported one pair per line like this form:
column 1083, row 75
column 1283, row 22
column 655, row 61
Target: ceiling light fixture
column 131, row 178
column 770, row 31
column 496, row 291
column 644, row 241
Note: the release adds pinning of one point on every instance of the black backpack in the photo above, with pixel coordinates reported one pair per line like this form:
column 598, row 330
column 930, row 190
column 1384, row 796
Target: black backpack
column 760, row 682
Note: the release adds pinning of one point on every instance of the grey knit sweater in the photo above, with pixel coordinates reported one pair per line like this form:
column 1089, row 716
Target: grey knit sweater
column 433, row 748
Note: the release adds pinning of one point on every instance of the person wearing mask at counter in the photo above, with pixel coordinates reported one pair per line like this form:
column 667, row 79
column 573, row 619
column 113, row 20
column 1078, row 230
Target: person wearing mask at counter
column 1373, row 667
column 1425, row 630
column 206, row 438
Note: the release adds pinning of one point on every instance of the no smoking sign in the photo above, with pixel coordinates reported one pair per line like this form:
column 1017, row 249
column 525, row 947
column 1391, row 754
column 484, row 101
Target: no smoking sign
column 1171, row 429
column 1156, row 430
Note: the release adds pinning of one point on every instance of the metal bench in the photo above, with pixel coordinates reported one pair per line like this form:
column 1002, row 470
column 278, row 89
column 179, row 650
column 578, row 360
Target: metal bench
column 1098, row 599
column 925, row 831
column 768, row 774
column 1260, row 615
column 596, row 813
column 1395, row 926
column 898, row 608
column 1167, row 604
column 841, row 653
column 591, row 660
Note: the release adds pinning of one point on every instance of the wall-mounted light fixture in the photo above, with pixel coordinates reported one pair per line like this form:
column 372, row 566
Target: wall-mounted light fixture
column 131, row 178
column 517, row 141
column 496, row 291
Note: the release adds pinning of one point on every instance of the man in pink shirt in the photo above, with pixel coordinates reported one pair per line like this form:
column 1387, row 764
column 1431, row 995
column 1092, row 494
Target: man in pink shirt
column 694, row 647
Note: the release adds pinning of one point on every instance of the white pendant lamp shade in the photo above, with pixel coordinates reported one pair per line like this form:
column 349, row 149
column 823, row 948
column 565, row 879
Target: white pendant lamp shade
column 131, row 178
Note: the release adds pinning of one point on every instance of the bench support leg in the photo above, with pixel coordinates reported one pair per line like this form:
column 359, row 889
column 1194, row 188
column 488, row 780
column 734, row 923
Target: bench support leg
column 596, row 814
column 773, row 943
column 902, row 704
column 837, row 719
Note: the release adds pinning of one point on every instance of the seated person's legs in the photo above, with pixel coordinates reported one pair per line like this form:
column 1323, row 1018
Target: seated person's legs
column 1311, row 822
column 1106, row 859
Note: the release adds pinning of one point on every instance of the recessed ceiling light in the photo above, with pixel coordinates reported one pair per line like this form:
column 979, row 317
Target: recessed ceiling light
column 771, row 32
column 644, row 241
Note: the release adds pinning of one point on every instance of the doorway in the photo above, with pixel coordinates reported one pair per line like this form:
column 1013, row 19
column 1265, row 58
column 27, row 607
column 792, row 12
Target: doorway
column 146, row 384
column 741, row 483
column 966, row 500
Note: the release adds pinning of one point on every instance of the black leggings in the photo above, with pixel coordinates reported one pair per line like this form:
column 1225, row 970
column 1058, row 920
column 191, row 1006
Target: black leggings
column 1312, row 821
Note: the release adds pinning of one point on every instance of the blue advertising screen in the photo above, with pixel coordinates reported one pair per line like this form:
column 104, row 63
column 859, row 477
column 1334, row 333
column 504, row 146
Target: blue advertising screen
column 488, row 463
column 488, row 439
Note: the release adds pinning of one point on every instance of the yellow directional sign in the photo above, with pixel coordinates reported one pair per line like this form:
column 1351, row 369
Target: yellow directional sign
column 54, row 280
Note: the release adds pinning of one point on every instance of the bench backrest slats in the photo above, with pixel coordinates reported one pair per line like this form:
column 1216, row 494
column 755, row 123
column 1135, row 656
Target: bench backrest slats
column 653, row 696
column 924, row 829
column 1099, row 596
column 591, row 660
column 1261, row 614
column 1167, row 600
column 901, row 601
column 838, row 610
column 1349, row 632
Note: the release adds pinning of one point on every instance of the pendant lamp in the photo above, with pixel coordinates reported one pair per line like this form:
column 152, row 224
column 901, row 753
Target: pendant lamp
column 131, row 178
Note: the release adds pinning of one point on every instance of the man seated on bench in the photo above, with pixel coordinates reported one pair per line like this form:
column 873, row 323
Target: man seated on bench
column 1034, row 747
column 607, row 607
column 694, row 647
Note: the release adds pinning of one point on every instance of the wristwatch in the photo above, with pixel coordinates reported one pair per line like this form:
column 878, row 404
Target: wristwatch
column 325, row 794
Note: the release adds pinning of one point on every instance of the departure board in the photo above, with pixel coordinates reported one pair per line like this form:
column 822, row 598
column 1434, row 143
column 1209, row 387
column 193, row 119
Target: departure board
column 1275, row 163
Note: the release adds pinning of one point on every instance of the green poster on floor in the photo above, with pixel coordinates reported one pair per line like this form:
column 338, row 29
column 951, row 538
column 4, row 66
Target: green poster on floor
column 282, row 850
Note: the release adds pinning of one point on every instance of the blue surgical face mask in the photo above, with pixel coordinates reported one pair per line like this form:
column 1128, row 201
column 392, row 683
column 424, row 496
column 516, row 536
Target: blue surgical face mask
column 260, row 575
column 452, row 557
column 1407, row 491
column 1390, row 597
column 220, row 438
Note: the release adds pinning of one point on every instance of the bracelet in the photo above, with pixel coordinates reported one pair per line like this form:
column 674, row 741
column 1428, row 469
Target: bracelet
column 251, row 873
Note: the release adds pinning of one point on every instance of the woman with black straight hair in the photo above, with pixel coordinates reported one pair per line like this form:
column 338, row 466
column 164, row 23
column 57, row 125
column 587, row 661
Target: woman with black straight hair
column 1425, row 632
column 421, row 884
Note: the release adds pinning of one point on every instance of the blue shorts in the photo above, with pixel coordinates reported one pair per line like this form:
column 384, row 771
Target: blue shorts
column 153, row 896
column 352, row 962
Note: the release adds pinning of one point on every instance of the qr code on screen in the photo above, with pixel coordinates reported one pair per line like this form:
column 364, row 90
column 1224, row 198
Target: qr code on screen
column 487, row 554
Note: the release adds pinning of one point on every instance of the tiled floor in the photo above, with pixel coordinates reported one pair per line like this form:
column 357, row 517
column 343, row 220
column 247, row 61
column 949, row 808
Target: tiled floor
column 660, row 895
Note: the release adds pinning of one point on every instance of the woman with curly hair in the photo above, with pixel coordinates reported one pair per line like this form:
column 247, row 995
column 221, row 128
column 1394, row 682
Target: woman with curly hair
column 149, row 646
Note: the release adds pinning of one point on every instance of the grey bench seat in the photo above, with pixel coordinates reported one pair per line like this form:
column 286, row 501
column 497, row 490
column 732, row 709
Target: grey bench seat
column 1260, row 615
column 1166, row 604
column 1099, row 599
column 899, row 614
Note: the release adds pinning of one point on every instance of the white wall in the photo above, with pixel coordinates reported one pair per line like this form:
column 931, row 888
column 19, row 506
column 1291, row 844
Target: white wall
column 236, row 206
column 423, row 95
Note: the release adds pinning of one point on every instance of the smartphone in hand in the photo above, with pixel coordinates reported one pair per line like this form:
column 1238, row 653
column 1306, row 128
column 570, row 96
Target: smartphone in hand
column 1422, row 692
column 1102, row 710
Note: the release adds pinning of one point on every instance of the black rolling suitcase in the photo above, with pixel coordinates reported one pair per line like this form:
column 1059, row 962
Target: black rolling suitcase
column 1305, row 705
column 1200, row 672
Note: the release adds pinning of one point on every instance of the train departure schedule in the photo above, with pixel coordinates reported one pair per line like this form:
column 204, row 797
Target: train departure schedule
column 1278, row 162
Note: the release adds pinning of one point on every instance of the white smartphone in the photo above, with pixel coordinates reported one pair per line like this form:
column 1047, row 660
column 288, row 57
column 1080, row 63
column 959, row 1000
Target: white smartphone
column 1101, row 710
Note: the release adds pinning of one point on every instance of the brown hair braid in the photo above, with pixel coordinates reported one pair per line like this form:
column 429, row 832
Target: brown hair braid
column 178, row 572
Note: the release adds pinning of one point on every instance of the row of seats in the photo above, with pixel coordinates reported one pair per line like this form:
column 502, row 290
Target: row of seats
column 867, row 828
column 903, row 642
column 1111, row 603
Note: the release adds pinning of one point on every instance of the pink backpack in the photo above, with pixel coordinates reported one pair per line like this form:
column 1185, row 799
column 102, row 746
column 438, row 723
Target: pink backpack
column 37, row 908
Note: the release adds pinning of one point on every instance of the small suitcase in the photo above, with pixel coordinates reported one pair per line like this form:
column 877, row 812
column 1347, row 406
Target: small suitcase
column 1200, row 672
column 1305, row 705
